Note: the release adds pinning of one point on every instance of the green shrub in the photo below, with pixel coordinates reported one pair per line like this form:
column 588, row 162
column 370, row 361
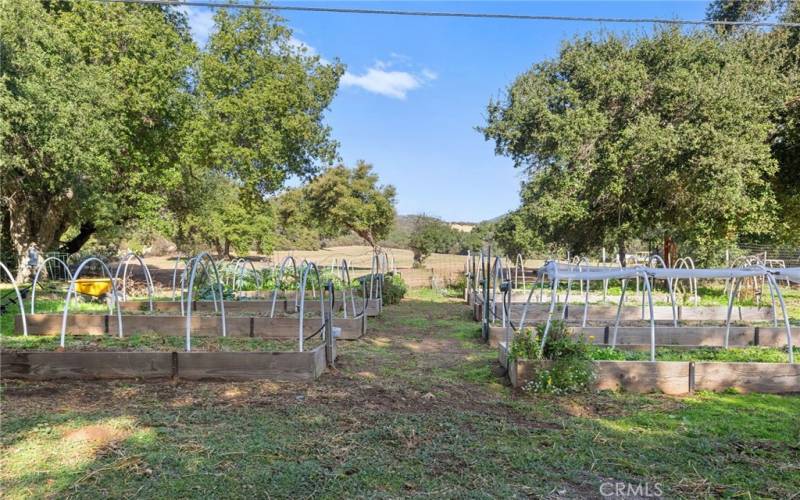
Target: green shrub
column 394, row 289
column 565, row 376
column 571, row 368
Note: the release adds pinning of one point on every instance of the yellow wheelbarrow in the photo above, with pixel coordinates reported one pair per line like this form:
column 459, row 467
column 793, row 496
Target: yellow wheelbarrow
column 93, row 287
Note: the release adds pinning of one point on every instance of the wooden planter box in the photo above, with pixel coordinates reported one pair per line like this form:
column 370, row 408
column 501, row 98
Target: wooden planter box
column 29, row 365
column 250, row 307
column 608, row 313
column 668, row 336
column 374, row 307
column 672, row 377
column 202, row 326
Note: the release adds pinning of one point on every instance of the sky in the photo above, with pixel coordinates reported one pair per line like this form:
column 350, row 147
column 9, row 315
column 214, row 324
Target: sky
column 415, row 89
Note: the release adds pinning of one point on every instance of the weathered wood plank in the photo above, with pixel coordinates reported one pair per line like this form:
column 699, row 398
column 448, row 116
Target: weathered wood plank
column 597, row 312
column 202, row 326
column 634, row 376
column 668, row 377
column 85, row 365
column 748, row 377
column 776, row 336
column 248, row 365
column 685, row 335
column 720, row 313
column 373, row 308
column 502, row 354
column 50, row 324
column 284, row 328
column 497, row 334
column 352, row 328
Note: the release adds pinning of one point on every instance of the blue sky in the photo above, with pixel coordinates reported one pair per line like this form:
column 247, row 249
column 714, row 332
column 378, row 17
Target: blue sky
column 416, row 88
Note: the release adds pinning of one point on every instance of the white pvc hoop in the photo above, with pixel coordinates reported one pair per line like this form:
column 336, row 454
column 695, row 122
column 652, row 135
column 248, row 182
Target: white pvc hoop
column 656, row 257
column 71, row 292
column 279, row 280
column 36, row 278
column 148, row 279
column 185, row 303
column 179, row 260
column 19, row 299
column 197, row 260
column 344, row 271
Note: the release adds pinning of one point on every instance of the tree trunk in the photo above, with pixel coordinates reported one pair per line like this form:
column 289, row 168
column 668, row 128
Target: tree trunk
column 217, row 247
column 670, row 251
column 37, row 222
column 74, row 245
column 367, row 236
column 418, row 257
column 227, row 249
column 623, row 252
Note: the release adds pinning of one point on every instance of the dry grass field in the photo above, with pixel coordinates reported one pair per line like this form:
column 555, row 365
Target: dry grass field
column 443, row 267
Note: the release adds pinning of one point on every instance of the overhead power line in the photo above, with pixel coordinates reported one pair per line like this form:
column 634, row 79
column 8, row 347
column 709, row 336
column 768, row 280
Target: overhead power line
column 468, row 15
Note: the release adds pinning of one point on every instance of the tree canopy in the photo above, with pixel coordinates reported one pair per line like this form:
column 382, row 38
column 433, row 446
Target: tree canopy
column 431, row 235
column 91, row 97
column 260, row 104
column 344, row 199
column 665, row 135
column 111, row 116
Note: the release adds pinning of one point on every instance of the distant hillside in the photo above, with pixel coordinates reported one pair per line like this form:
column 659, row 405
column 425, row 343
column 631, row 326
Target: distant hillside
column 398, row 237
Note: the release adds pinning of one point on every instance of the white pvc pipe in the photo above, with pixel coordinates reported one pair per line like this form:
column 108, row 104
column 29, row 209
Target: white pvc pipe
column 549, row 313
column 19, row 300
column 147, row 277
column 789, row 345
column 71, row 292
column 36, row 278
column 279, row 280
column 197, row 260
column 734, row 292
column 624, row 285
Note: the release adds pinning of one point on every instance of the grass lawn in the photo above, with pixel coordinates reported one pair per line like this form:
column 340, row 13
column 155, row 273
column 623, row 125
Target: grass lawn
column 417, row 407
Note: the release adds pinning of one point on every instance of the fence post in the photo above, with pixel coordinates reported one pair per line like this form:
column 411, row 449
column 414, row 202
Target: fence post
column 486, row 277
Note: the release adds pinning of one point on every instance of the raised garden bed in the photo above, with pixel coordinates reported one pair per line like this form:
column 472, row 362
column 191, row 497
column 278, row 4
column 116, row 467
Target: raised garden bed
column 605, row 313
column 253, row 307
column 160, row 357
column 236, row 326
column 668, row 335
column 671, row 377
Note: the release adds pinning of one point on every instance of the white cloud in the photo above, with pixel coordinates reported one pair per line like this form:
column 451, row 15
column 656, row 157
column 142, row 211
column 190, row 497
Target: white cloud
column 201, row 22
column 429, row 74
column 379, row 79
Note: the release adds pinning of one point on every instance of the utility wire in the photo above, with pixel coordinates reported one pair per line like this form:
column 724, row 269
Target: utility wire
column 469, row 15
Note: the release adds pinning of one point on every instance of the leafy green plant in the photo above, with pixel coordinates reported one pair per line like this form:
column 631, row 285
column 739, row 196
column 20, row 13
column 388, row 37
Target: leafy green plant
column 750, row 354
column 214, row 292
column 569, row 369
column 394, row 289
